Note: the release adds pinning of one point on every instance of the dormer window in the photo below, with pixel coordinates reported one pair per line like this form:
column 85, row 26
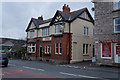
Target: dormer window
column 59, row 28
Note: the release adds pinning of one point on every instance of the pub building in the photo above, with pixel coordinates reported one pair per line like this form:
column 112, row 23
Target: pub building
column 67, row 37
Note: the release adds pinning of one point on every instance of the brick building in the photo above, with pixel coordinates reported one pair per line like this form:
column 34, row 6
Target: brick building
column 107, row 32
column 67, row 37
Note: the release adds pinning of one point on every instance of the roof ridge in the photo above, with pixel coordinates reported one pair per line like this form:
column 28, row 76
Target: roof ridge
column 78, row 10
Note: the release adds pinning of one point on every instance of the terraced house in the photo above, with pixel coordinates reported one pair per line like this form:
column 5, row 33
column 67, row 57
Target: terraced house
column 67, row 37
column 107, row 31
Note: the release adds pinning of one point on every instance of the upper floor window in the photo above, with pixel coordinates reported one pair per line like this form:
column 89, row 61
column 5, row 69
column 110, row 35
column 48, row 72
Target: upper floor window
column 86, row 31
column 32, row 34
column 117, row 25
column 58, row 28
column 116, row 4
column 45, row 31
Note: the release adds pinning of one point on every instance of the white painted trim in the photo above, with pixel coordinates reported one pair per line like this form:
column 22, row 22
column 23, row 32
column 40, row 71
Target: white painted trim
column 59, row 48
column 106, row 57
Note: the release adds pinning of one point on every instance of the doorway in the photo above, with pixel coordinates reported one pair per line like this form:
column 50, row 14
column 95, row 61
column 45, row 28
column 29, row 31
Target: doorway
column 40, row 51
column 117, row 53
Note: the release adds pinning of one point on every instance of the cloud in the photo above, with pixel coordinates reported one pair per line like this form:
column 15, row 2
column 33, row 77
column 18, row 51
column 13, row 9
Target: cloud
column 16, row 15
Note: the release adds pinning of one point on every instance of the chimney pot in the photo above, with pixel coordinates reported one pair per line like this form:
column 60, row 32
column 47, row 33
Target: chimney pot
column 40, row 18
column 66, row 9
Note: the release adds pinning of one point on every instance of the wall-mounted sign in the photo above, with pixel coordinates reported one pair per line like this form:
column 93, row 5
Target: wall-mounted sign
column 47, row 39
column 108, row 41
column 117, row 49
column 106, row 50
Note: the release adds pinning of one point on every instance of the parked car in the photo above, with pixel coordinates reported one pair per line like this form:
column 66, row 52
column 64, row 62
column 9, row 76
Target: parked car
column 3, row 59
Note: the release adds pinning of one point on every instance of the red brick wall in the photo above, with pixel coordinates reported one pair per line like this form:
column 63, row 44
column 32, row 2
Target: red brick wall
column 64, row 39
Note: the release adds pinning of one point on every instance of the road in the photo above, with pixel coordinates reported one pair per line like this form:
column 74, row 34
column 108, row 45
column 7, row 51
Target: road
column 39, row 69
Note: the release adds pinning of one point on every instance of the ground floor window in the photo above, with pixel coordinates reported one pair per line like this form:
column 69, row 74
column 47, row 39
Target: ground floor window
column 85, row 48
column 106, row 50
column 48, row 49
column 58, row 48
column 31, row 47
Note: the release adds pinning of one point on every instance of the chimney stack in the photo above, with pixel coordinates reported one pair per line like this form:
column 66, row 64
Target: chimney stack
column 40, row 18
column 66, row 9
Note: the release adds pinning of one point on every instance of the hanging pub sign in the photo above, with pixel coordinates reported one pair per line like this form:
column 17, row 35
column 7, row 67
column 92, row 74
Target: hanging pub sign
column 106, row 50
column 117, row 49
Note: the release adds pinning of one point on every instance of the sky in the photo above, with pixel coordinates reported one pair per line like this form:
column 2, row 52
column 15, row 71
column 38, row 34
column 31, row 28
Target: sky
column 16, row 15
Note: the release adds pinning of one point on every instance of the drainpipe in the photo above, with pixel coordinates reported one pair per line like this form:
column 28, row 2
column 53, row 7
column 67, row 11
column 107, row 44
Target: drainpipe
column 69, row 45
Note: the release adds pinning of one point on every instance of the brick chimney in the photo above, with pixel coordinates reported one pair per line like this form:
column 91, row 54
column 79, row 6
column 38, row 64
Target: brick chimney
column 40, row 18
column 66, row 9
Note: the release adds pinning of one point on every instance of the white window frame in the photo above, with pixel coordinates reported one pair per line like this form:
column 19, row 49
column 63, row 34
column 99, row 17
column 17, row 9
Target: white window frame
column 45, row 31
column 86, row 49
column 60, row 48
column 31, row 34
column 46, row 47
column 57, row 28
column 30, row 47
column 86, row 31
column 56, row 47
column 116, row 4
column 106, row 57
column 115, row 25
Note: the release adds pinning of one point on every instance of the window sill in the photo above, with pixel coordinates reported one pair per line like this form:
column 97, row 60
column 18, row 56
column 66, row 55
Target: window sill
column 47, row 54
column 60, row 34
column 58, row 54
column 85, row 54
column 116, row 10
column 31, row 52
column 115, row 33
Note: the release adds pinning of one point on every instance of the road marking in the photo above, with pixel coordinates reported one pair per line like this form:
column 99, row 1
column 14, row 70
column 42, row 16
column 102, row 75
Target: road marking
column 12, row 64
column 77, row 75
column 34, row 68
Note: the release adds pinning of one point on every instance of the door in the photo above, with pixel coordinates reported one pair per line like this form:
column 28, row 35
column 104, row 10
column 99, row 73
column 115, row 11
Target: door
column 117, row 53
column 40, row 51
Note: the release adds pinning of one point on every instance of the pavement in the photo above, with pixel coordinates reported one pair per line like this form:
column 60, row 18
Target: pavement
column 88, row 65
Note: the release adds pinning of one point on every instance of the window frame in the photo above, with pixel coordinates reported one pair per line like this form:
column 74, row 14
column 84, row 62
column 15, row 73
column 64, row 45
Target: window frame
column 32, row 34
column 116, row 24
column 86, row 31
column 57, row 48
column 30, row 46
column 116, row 4
column 58, row 27
column 60, row 48
column 102, row 53
column 45, row 31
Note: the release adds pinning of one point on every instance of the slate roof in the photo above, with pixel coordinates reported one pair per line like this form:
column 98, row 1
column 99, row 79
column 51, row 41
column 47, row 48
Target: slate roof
column 67, row 17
